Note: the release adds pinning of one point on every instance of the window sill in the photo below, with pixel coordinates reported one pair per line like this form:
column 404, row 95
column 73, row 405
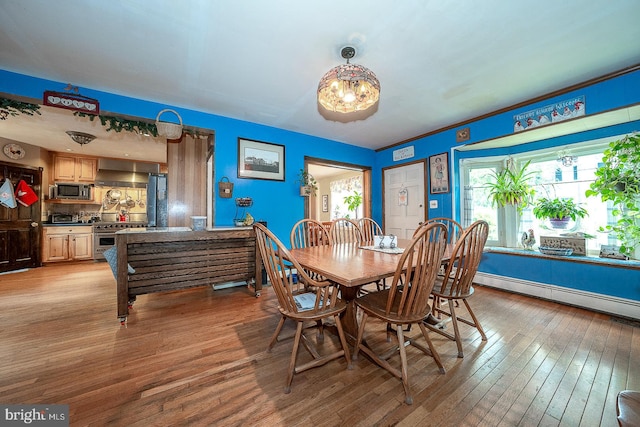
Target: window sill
column 580, row 259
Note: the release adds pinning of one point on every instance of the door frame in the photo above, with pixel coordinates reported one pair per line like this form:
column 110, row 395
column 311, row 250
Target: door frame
column 426, row 194
column 366, row 180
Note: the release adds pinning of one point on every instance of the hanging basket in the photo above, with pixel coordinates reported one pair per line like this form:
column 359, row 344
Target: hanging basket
column 225, row 189
column 167, row 129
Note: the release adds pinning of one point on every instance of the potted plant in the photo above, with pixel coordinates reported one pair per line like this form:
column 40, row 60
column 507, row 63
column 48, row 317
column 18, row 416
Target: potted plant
column 558, row 211
column 353, row 202
column 308, row 184
column 511, row 187
column 618, row 181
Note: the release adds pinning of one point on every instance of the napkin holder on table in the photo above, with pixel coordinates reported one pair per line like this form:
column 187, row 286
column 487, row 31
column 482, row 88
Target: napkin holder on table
column 387, row 241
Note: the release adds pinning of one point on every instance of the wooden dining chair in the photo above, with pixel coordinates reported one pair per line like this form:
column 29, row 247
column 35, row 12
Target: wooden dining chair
column 299, row 305
column 369, row 228
column 345, row 230
column 456, row 283
column 454, row 228
column 307, row 233
column 406, row 302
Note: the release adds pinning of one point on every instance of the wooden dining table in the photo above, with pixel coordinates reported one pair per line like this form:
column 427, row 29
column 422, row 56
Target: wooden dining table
column 351, row 266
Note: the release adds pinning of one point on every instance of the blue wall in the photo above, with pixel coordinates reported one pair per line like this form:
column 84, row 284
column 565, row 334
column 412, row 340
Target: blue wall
column 277, row 202
column 601, row 97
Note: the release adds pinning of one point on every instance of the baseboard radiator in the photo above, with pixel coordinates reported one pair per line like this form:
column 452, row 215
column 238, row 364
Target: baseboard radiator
column 592, row 301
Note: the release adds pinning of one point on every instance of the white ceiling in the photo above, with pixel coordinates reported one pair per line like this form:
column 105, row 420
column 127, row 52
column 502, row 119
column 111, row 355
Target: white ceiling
column 439, row 62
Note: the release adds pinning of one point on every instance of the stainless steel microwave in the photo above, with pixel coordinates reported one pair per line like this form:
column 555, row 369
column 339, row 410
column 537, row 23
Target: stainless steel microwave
column 72, row 191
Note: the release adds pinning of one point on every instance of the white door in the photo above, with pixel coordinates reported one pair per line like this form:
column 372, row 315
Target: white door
column 404, row 199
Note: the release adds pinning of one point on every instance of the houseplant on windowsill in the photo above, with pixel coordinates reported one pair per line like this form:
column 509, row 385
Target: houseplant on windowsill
column 511, row 187
column 558, row 211
column 308, row 184
column 618, row 181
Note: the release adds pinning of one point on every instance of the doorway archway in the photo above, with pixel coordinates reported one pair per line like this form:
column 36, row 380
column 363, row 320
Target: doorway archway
column 323, row 170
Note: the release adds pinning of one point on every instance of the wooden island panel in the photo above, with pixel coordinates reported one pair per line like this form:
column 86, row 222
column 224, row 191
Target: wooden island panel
column 176, row 258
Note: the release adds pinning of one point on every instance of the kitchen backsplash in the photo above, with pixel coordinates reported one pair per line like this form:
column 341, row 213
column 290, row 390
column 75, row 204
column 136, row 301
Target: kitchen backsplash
column 108, row 203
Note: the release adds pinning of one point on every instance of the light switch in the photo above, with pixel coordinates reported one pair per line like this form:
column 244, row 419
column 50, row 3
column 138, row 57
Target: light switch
column 433, row 204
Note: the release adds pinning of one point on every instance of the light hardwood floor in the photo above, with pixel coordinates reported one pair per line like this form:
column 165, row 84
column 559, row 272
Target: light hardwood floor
column 197, row 357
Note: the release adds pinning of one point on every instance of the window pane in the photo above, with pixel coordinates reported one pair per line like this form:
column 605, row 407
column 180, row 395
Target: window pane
column 477, row 204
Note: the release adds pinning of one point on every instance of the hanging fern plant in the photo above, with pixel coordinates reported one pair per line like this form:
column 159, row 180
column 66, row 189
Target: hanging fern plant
column 10, row 107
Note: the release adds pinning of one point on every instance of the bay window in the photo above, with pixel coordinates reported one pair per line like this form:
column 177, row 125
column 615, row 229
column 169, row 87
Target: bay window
column 561, row 172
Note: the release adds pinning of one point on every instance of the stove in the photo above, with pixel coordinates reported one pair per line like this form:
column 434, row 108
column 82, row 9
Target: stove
column 104, row 235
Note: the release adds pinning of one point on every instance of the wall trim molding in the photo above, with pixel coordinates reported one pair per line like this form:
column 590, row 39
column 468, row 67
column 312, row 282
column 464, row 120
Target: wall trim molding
column 588, row 300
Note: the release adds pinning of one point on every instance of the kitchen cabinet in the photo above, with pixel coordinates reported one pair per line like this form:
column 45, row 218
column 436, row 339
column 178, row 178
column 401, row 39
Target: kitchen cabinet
column 67, row 243
column 68, row 168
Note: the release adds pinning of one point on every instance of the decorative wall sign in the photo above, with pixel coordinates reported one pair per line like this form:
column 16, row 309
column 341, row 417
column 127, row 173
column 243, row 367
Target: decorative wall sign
column 553, row 113
column 69, row 101
column 260, row 160
column 403, row 197
column 463, row 135
column 325, row 203
column 403, row 153
column 439, row 173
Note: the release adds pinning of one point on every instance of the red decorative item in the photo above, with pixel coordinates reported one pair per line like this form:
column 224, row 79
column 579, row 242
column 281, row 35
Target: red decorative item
column 71, row 102
column 24, row 194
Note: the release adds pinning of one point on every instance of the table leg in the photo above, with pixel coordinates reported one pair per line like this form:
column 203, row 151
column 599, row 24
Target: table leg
column 348, row 318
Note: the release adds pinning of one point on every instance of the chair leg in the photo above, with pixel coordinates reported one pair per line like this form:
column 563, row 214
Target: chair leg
column 475, row 320
column 408, row 399
column 432, row 349
column 274, row 337
column 294, row 356
column 343, row 341
column 356, row 349
column 456, row 328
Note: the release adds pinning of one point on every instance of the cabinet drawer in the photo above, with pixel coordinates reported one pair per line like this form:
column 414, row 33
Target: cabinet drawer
column 72, row 229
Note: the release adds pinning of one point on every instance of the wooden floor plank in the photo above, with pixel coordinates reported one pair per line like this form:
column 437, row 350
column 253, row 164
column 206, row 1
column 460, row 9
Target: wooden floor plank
column 198, row 357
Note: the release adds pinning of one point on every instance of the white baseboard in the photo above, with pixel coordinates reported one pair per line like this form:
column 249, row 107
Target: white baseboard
column 589, row 300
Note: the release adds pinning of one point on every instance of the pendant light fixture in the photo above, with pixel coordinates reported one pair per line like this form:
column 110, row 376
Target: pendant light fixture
column 80, row 137
column 348, row 88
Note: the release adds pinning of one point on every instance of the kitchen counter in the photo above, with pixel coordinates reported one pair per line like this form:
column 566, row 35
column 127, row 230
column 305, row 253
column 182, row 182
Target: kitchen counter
column 65, row 224
column 173, row 258
column 180, row 229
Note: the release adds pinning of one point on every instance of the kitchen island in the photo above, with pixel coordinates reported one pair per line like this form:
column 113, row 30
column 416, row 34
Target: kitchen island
column 172, row 258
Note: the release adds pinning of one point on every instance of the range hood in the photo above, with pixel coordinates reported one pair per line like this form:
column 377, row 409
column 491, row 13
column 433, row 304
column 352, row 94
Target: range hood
column 123, row 173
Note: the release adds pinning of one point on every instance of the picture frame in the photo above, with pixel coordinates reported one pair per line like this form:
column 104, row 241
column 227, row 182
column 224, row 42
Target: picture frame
column 439, row 173
column 260, row 160
column 325, row 203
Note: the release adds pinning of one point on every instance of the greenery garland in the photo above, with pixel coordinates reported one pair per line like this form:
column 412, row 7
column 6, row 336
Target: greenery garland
column 118, row 124
column 10, row 107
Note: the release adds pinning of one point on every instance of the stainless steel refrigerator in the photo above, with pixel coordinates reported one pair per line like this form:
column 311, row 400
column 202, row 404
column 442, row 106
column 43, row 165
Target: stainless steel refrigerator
column 157, row 205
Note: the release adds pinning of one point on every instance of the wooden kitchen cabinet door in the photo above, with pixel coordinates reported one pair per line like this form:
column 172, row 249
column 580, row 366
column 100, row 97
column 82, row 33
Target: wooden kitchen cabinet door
column 86, row 169
column 74, row 169
column 64, row 168
column 56, row 247
column 80, row 246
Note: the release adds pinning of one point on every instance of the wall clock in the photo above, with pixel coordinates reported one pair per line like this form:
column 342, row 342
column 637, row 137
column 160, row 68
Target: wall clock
column 14, row 151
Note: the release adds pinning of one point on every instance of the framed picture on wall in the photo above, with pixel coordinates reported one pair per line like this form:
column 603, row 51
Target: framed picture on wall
column 439, row 173
column 260, row 160
column 325, row 203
